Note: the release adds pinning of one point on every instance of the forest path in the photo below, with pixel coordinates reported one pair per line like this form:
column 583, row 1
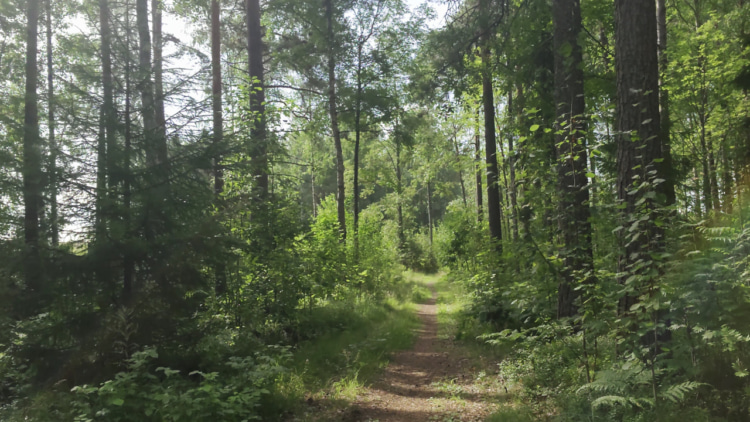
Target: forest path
column 433, row 381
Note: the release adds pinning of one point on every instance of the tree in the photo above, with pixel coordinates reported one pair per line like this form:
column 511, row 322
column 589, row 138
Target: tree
column 570, row 144
column 494, row 212
column 639, row 148
column 32, row 157
column 259, row 150
column 333, row 112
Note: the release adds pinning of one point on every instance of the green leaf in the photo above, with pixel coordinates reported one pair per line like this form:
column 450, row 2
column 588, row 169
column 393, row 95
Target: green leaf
column 116, row 401
column 534, row 128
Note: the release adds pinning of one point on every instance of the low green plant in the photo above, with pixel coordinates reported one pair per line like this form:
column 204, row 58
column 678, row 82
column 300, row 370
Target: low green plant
column 144, row 393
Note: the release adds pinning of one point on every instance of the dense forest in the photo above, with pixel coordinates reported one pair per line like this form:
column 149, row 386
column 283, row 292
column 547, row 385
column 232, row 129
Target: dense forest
column 192, row 193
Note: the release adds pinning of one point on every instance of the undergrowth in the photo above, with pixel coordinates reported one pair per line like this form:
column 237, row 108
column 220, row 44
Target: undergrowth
column 336, row 365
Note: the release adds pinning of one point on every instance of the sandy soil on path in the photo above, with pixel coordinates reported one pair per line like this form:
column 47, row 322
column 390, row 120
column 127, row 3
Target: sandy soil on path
column 433, row 381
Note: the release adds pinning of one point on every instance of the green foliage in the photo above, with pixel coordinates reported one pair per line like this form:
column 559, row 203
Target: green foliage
column 163, row 394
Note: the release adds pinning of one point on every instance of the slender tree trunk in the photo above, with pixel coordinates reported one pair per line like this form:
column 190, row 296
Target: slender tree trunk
column 259, row 154
column 697, row 192
column 523, row 214
column 512, row 192
column 666, row 122
column 715, row 198
column 145, row 84
column 357, row 137
column 429, row 208
column 708, row 198
column 460, row 171
column 128, row 264
column 218, row 117
column 726, row 177
column 504, row 191
column 637, row 109
column 54, row 228
column 340, row 192
column 161, row 121
column 109, row 171
column 570, row 129
column 312, row 183
column 32, row 156
column 493, row 195
column 100, row 221
column 218, row 127
column 399, row 207
column 478, row 170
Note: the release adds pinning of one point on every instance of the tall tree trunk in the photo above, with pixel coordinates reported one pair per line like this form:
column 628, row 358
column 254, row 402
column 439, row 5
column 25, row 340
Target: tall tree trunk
column 332, row 110
column 478, row 170
column 666, row 122
column 146, row 85
column 128, row 264
column 218, row 126
column 399, row 206
column 218, row 117
column 159, row 115
column 259, row 153
column 726, row 176
column 637, row 109
column 570, row 143
column 494, row 212
column 32, row 157
column 357, row 137
column 505, row 219
column 708, row 198
column 52, row 166
column 429, row 208
column 109, row 171
column 521, row 122
column 100, row 221
column 460, row 171
column 512, row 192
column 715, row 198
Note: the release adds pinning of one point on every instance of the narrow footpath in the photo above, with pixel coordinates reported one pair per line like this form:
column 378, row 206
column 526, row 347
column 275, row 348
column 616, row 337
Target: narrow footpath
column 434, row 381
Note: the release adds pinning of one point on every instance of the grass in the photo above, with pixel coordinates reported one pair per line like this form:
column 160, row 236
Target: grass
column 337, row 364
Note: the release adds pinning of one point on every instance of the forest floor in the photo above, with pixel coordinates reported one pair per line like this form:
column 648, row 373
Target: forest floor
column 437, row 380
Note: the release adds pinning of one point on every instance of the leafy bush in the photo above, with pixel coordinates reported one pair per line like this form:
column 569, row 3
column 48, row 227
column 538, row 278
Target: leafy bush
column 163, row 394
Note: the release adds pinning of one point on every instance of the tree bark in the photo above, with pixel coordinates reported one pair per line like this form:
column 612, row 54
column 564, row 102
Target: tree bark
column 109, row 170
column 479, row 170
column 429, row 208
column 570, row 144
column 637, row 137
column 512, row 192
column 332, row 110
column 218, row 118
column 128, row 264
column 494, row 213
column 218, row 127
column 100, row 222
column 52, row 171
column 161, row 121
column 666, row 122
column 357, row 137
column 146, row 85
column 32, row 156
column 460, row 171
column 259, row 153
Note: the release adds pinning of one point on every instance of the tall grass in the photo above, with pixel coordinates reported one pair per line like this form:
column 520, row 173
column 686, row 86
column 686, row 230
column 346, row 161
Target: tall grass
column 355, row 341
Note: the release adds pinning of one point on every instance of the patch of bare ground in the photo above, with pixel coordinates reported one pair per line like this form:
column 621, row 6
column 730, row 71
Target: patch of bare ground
column 434, row 381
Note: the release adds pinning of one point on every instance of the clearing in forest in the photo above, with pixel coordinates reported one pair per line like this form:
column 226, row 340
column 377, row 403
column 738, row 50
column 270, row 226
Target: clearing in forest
column 435, row 380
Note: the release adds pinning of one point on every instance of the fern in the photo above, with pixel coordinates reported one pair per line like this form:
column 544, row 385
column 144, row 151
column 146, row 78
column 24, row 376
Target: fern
column 610, row 401
column 677, row 393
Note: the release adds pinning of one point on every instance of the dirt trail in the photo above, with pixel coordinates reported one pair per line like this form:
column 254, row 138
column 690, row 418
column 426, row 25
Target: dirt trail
column 433, row 381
